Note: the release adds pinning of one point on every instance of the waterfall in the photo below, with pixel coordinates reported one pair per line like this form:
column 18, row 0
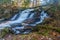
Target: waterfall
column 24, row 19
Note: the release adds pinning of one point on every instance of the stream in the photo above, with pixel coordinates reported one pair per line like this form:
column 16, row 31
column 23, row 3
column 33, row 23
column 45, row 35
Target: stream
column 21, row 22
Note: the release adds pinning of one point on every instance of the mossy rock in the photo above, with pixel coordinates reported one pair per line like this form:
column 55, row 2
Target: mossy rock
column 7, row 12
column 3, row 32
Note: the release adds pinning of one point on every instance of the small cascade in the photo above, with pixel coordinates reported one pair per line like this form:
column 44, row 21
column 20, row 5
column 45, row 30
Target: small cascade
column 21, row 21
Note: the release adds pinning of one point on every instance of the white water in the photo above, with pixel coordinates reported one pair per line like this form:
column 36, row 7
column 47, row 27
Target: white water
column 27, row 16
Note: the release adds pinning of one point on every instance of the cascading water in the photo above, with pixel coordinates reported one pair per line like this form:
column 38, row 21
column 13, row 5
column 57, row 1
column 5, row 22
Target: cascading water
column 27, row 18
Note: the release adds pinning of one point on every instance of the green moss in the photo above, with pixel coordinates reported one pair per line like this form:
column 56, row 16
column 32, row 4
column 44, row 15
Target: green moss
column 58, row 30
column 45, row 29
column 4, row 32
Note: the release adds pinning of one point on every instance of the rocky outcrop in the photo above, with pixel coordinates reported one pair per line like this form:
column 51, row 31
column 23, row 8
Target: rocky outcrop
column 7, row 11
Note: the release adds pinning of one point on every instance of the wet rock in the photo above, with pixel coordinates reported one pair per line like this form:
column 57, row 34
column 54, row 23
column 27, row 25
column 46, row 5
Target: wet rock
column 2, row 39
